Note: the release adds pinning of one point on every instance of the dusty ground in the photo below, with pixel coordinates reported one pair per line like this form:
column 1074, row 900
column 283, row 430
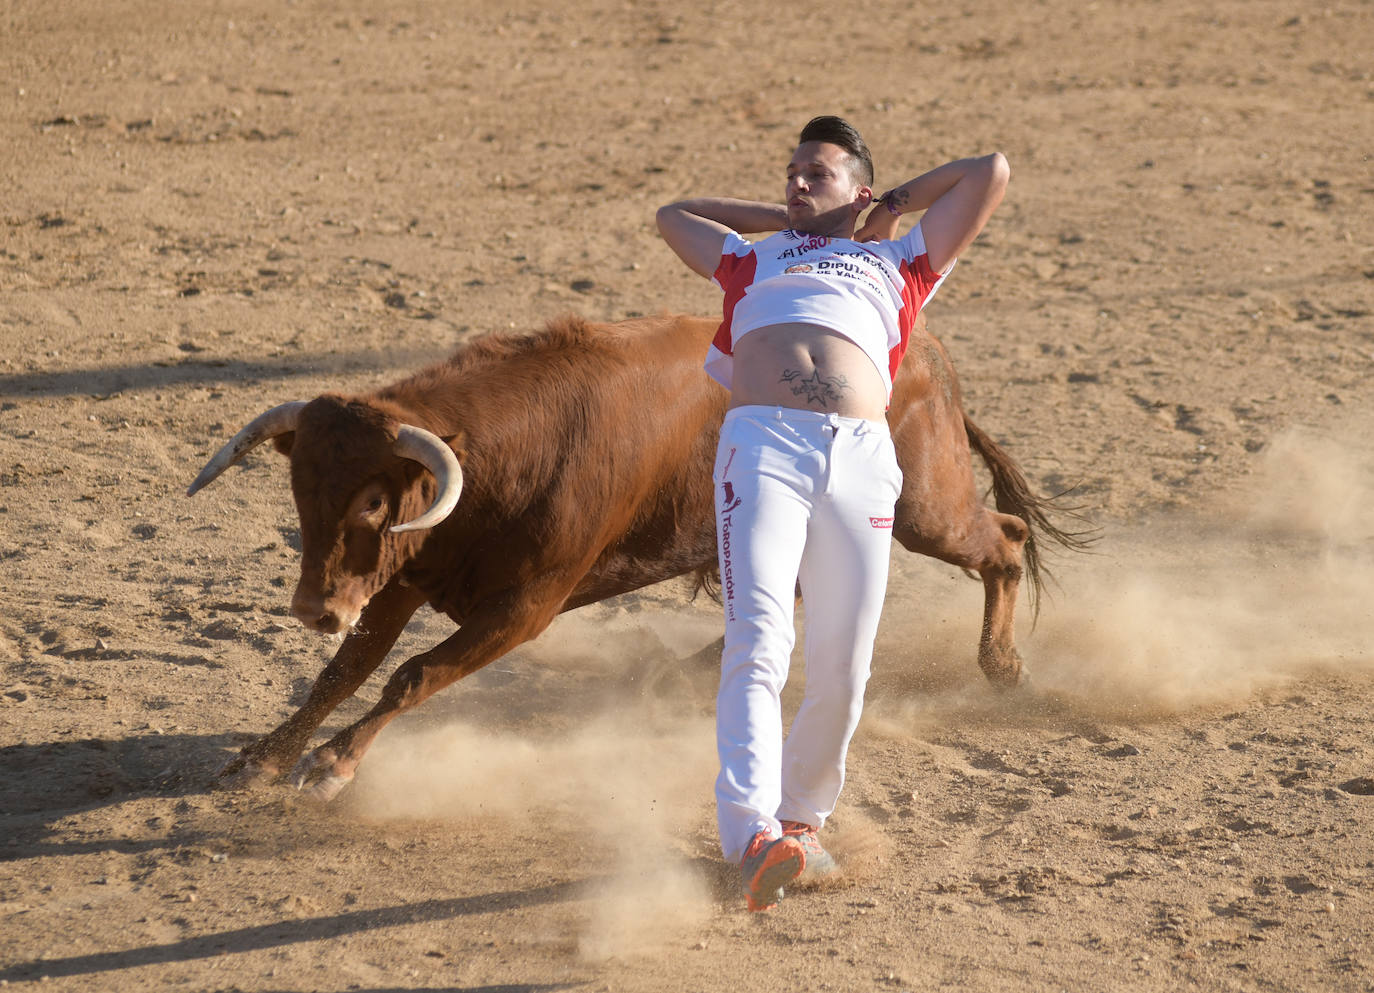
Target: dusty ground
column 211, row 208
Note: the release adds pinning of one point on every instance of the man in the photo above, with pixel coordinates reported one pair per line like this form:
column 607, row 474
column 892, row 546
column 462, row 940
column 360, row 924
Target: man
column 816, row 319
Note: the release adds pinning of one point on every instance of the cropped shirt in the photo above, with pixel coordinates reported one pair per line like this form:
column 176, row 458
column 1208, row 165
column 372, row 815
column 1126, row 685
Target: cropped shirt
column 869, row 292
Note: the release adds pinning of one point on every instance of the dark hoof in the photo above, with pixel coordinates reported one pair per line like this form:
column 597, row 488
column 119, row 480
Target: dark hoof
column 314, row 777
column 242, row 773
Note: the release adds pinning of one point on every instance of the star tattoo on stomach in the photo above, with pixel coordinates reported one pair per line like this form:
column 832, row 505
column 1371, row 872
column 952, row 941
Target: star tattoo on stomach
column 815, row 390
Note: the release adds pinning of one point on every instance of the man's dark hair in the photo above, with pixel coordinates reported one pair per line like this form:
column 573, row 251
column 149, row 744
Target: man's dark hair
column 838, row 131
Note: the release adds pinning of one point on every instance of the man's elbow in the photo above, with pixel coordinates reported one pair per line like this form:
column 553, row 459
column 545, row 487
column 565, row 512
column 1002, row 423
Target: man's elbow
column 667, row 217
column 997, row 173
column 661, row 219
column 999, row 170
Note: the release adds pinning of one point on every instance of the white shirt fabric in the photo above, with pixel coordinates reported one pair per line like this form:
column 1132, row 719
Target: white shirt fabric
column 869, row 292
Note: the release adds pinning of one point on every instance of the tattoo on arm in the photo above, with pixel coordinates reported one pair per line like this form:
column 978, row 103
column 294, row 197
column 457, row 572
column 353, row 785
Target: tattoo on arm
column 815, row 390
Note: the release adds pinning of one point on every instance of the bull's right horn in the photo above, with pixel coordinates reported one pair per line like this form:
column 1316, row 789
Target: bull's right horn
column 270, row 423
column 430, row 451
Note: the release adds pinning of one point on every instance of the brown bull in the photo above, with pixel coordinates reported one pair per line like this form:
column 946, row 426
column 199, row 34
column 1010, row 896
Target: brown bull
column 529, row 475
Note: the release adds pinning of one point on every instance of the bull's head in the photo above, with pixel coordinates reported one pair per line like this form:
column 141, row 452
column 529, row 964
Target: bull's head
column 356, row 476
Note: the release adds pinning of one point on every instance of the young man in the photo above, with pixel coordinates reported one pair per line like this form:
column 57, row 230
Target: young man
column 816, row 319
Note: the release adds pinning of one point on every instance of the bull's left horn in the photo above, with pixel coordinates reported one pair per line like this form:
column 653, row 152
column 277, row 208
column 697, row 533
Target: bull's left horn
column 429, row 450
column 270, row 423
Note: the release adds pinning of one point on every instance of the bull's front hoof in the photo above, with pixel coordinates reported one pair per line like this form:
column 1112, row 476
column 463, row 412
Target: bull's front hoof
column 244, row 773
column 314, row 776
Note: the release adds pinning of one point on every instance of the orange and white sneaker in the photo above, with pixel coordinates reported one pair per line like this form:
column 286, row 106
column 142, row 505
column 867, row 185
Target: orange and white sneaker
column 819, row 863
column 769, row 864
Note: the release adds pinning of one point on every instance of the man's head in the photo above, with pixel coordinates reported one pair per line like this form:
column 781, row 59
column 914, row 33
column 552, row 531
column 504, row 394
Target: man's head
column 829, row 179
column 838, row 131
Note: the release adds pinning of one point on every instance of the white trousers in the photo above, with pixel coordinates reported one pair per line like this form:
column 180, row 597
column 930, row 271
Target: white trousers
column 801, row 497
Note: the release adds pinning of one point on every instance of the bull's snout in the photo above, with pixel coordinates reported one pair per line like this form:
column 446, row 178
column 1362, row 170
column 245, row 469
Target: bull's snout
column 319, row 614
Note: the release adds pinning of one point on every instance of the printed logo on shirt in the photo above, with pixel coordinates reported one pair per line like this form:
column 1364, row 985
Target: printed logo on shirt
column 880, row 522
column 809, row 242
column 853, row 264
column 841, row 266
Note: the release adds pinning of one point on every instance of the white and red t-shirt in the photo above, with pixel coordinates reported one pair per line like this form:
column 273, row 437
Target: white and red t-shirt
column 870, row 292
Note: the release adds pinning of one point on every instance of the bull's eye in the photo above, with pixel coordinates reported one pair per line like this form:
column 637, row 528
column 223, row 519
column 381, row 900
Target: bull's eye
column 369, row 506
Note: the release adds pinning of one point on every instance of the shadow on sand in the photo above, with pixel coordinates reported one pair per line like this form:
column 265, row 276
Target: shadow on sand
column 290, row 932
column 108, row 380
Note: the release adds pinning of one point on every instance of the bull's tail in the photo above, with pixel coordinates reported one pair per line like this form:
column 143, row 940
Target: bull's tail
column 1013, row 495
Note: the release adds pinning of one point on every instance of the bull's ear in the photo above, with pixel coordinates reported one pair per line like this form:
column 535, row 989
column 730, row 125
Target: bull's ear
column 283, row 442
column 459, row 443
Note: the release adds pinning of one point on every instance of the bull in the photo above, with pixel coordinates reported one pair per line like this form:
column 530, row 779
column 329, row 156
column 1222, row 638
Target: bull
column 532, row 474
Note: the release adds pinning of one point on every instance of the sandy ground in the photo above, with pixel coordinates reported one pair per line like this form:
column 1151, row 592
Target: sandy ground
column 212, row 208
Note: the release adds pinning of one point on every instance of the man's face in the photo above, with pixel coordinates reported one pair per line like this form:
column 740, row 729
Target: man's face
column 823, row 196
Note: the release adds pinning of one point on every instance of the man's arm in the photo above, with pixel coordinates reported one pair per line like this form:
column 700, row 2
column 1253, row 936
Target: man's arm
column 696, row 229
column 958, row 198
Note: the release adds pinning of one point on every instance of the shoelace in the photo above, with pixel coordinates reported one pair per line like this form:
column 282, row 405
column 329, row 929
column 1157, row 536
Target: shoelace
column 759, row 842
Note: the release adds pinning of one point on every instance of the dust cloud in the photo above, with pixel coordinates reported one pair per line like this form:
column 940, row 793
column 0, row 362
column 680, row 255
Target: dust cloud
column 1195, row 610
column 632, row 776
column 618, row 779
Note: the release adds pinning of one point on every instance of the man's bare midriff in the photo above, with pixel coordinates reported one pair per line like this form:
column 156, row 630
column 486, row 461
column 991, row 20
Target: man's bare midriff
column 809, row 368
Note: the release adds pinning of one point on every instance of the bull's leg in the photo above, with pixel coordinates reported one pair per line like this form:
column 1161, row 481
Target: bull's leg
column 967, row 534
column 939, row 513
column 483, row 638
column 1001, row 575
column 381, row 623
column 989, row 544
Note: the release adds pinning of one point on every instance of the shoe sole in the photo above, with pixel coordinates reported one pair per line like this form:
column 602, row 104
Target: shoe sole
column 784, row 862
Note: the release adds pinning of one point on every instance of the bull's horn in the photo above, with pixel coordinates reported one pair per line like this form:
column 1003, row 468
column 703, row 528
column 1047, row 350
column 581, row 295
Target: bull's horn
column 429, row 450
column 270, row 423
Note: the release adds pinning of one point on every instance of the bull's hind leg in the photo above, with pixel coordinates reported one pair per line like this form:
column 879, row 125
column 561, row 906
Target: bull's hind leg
column 991, row 547
column 381, row 623
column 1001, row 570
column 940, row 514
